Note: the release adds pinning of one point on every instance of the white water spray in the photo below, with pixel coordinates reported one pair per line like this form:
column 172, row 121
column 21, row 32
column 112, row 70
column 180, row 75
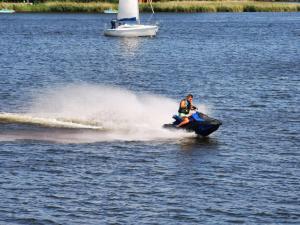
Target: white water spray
column 121, row 114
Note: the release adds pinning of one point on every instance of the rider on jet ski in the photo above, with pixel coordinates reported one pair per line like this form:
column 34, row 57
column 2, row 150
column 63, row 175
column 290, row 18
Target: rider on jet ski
column 184, row 109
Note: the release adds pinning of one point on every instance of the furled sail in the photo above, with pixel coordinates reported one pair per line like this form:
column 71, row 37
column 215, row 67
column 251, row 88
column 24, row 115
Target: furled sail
column 128, row 10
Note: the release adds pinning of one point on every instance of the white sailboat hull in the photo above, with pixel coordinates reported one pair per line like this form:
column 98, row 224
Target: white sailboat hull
column 137, row 30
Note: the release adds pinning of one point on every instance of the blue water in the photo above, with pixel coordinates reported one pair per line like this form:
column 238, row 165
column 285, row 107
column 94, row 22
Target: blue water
column 242, row 68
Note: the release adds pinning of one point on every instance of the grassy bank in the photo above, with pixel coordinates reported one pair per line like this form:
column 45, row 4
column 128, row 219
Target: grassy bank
column 222, row 6
column 171, row 6
column 51, row 7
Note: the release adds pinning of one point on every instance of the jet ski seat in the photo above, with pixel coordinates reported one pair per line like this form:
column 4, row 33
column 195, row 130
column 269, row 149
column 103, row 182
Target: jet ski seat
column 177, row 118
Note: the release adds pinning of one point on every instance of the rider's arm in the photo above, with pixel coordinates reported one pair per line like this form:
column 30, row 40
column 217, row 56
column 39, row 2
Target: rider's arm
column 192, row 106
column 182, row 104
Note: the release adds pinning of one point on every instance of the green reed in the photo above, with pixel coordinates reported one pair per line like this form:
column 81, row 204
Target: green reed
column 221, row 6
column 165, row 6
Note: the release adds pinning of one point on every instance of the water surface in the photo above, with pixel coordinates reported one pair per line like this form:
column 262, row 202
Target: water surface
column 241, row 68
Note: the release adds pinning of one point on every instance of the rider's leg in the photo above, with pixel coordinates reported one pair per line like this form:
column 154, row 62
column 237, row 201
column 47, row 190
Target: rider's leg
column 185, row 120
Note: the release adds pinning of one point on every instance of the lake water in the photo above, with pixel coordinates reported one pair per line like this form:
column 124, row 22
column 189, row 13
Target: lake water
column 242, row 69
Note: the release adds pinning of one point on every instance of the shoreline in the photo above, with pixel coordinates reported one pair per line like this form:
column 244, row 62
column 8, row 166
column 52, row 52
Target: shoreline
column 171, row 7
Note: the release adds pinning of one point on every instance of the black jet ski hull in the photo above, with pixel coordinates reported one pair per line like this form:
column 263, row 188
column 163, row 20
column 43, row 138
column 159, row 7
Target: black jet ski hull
column 204, row 127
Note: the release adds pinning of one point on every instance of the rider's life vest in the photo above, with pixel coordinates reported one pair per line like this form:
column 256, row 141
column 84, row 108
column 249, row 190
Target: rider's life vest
column 186, row 109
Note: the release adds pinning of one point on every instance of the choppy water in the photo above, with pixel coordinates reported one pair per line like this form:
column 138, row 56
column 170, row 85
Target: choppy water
column 242, row 69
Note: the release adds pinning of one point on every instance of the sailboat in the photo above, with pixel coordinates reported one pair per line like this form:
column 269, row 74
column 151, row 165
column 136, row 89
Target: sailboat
column 128, row 23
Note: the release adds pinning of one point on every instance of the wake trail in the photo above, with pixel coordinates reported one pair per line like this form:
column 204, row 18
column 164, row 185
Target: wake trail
column 47, row 122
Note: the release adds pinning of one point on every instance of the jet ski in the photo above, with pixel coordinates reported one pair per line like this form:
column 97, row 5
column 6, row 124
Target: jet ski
column 199, row 123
